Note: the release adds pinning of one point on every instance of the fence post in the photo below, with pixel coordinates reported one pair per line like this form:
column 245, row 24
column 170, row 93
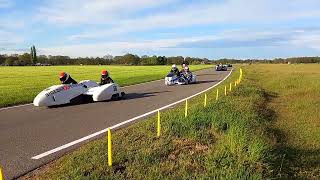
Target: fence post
column 1, row 174
column 230, row 87
column 217, row 96
column 158, row 127
column 235, row 83
column 225, row 90
column 109, row 148
column 186, row 109
column 205, row 100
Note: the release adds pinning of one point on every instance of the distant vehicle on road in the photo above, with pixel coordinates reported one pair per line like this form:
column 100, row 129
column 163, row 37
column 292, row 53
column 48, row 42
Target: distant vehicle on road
column 221, row 67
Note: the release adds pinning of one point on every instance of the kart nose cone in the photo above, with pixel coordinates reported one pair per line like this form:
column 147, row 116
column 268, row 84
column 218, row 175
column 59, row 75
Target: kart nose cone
column 41, row 100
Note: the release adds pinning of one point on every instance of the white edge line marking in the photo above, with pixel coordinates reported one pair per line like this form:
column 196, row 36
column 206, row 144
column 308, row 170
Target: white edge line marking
column 11, row 107
column 122, row 123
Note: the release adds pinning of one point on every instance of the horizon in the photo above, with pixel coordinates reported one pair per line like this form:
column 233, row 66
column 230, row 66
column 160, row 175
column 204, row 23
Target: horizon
column 232, row 29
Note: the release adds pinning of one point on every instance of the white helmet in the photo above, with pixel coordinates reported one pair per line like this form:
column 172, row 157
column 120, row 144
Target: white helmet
column 174, row 66
column 186, row 68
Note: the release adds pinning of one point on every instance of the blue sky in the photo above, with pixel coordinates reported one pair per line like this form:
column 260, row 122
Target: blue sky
column 202, row 28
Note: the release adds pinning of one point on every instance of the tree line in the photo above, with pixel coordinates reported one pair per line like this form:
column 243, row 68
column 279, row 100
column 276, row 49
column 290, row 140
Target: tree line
column 29, row 59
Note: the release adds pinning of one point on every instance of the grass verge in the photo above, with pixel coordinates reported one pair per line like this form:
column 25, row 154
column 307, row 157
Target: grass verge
column 226, row 139
column 21, row 84
column 293, row 95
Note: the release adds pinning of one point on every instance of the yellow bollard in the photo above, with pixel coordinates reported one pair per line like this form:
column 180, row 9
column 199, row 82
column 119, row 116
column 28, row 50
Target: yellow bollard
column 230, row 87
column 186, row 109
column 109, row 148
column 205, row 100
column 225, row 90
column 1, row 174
column 235, row 83
column 158, row 127
column 217, row 96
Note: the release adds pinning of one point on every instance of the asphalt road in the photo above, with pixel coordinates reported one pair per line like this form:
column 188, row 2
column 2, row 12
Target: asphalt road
column 28, row 131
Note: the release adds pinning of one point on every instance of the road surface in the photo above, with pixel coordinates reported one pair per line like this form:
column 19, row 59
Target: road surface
column 27, row 131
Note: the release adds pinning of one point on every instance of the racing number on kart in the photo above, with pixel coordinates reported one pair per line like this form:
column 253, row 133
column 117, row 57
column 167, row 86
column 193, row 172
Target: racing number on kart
column 115, row 88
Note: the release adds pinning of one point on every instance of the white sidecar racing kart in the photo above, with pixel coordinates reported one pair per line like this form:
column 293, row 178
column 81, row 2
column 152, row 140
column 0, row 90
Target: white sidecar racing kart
column 76, row 93
column 221, row 67
column 172, row 79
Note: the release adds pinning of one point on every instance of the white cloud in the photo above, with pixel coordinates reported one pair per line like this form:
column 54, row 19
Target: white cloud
column 5, row 3
column 311, row 40
column 9, row 39
column 77, row 12
column 295, row 38
column 232, row 11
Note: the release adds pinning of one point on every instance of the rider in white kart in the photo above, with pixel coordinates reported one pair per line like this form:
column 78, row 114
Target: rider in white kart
column 175, row 70
column 65, row 78
column 105, row 78
column 187, row 73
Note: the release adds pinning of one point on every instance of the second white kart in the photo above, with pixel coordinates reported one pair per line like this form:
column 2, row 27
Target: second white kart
column 76, row 93
column 172, row 79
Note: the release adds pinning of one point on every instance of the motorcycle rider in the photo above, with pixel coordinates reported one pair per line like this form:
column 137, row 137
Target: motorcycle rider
column 105, row 78
column 65, row 78
column 175, row 70
column 187, row 73
column 184, row 63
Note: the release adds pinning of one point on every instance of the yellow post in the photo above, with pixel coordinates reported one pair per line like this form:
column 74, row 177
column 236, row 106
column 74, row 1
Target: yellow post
column 217, row 94
column 159, row 127
column 186, row 109
column 1, row 174
column 109, row 148
column 205, row 100
column 225, row 90
column 230, row 87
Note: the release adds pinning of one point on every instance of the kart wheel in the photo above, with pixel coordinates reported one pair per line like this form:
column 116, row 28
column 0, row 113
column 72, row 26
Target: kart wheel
column 123, row 95
column 115, row 96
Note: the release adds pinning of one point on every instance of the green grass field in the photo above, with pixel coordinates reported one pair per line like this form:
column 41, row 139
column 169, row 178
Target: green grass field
column 294, row 97
column 266, row 128
column 21, row 84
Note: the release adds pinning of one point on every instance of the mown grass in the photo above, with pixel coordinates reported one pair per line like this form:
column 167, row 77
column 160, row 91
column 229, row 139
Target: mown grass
column 225, row 140
column 21, row 84
column 294, row 95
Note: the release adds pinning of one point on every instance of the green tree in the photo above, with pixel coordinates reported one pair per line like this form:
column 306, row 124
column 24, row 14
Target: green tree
column 161, row 60
column 2, row 59
column 24, row 59
column 33, row 55
column 11, row 61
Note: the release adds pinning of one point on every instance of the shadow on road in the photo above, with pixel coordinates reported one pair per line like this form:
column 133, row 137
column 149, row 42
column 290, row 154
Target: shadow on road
column 206, row 81
column 142, row 95
column 208, row 74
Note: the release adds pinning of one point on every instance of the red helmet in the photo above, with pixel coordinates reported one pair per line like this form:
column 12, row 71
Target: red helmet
column 62, row 74
column 104, row 72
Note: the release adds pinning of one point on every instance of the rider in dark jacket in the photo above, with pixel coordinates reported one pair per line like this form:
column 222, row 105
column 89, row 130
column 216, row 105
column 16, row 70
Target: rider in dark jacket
column 105, row 78
column 175, row 70
column 65, row 78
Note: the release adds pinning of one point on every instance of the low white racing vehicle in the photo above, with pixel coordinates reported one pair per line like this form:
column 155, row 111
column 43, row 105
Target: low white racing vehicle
column 172, row 79
column 77, row 93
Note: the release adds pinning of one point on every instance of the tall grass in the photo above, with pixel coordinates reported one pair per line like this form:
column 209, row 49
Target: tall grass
column 293, row 93
column 225, row 140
